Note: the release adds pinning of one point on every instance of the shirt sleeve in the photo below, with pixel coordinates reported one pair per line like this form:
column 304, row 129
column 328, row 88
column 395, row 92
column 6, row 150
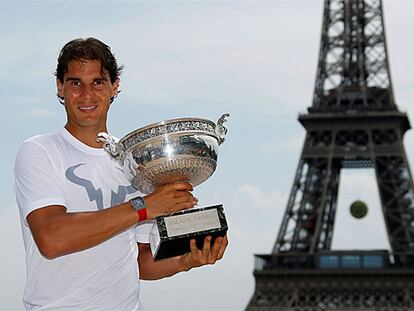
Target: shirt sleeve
column 142, row 231
column 37, row 181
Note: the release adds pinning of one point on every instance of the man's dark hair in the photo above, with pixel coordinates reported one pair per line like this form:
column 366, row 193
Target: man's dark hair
column 88, row 49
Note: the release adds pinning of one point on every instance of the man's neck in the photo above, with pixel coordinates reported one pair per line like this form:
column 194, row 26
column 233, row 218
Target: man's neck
column 86, row 135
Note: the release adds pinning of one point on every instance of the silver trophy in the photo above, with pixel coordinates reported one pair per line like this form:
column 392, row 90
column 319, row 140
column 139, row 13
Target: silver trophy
column 182, row 149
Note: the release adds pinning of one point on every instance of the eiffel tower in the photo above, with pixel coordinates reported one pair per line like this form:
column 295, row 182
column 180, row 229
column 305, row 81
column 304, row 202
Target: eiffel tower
column 353, row 122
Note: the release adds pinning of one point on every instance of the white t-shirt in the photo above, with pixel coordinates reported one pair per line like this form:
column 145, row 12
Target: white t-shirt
column 58, row 169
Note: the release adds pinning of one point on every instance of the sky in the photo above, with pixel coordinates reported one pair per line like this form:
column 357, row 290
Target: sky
column 253, row 59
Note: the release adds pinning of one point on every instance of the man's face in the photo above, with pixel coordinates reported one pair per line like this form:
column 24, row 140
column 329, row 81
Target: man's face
column 87, row 92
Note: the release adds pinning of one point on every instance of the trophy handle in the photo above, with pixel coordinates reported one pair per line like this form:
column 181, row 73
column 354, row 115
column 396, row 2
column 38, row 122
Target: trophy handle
column 221, row 130
column 111, row 146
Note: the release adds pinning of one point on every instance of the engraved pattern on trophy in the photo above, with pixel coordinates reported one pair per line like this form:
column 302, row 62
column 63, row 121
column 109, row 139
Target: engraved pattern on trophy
column 161, row 128
column 176, row 158
column 353, row 122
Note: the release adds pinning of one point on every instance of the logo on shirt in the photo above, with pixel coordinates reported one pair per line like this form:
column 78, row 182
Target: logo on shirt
column 96, row 194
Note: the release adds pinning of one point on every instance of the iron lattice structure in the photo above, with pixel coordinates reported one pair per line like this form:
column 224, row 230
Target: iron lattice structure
column 353, row 122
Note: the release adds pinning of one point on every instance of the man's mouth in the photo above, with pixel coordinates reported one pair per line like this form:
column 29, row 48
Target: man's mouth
column 87, row 108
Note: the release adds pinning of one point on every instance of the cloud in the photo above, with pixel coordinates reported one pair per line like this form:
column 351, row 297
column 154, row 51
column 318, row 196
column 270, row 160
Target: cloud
column 254, row 216
column 284, row 144
column 42, row 113
column 254, row 195
column 229, row 56
column 12, row 268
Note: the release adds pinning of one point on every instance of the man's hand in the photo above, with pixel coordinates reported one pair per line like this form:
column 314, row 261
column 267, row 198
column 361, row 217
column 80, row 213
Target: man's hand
column 206, row 256
column 170, row 198
column 150, row 269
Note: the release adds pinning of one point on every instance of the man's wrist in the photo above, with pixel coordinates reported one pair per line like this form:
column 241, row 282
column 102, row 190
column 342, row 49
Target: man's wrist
column 140, row 206
column 142, row 214
column 184, row 264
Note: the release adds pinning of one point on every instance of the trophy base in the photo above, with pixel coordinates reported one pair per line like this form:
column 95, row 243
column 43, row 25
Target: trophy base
column 171, row 234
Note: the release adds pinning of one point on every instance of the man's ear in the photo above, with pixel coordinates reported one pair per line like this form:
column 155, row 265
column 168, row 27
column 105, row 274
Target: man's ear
column 59, row 87
column 115, row 87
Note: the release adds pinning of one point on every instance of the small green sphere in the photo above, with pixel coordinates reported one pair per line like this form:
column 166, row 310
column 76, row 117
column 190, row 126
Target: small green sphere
column 358, row 209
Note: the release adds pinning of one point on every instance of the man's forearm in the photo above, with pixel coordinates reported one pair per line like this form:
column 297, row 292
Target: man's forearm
column 58, row 233
column 149, row 269
column 208, row 255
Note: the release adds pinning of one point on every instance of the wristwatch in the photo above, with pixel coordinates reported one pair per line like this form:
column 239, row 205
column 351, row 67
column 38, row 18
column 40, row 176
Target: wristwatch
column 138, row 203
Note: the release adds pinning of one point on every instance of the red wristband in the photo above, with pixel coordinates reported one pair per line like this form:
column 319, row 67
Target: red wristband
column 142, row 213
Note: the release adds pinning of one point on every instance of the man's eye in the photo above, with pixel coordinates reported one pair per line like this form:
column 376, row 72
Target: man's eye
column 99, row 82
column 75, row 83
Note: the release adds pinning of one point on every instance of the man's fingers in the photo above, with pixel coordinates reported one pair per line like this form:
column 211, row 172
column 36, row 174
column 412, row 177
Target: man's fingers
column 170, row 198
column 193, row 246
column 223, row 247
column 209, row 254
column 186, row 202
column 215, row 251
column 206, row 247
column 181, row 186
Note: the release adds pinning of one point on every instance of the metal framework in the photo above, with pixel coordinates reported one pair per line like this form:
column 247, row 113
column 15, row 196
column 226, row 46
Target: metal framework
column 353, row 123
column 341, row 280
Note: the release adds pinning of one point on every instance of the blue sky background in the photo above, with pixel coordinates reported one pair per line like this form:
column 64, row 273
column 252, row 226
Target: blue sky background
column 254, row 59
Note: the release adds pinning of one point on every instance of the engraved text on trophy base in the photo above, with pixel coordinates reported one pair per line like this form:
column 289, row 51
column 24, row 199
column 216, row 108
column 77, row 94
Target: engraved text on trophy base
column 192, row 222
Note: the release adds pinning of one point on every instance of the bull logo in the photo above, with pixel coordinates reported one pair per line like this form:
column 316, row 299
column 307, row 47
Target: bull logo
column 96, row 194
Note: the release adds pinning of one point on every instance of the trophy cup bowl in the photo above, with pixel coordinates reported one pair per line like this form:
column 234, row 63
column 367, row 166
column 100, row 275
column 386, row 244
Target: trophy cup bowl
column 183, row 149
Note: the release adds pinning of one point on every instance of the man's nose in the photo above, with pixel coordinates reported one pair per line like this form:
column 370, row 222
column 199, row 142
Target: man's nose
column 86, row 90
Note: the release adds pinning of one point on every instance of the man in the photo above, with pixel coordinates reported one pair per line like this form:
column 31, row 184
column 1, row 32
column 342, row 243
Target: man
column 84, row 228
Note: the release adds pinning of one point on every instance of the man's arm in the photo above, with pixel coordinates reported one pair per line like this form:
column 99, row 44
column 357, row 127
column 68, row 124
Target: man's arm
column 150, row 269
column 57, row 232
